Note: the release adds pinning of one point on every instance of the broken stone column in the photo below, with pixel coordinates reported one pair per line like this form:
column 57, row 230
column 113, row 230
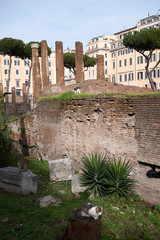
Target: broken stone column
column 100, row 67
column 44, row 64
column 1, row 88
column 36, row 71
column 79, row 62
column 24, row 93
column 12, row 180
column 13, row 95
column 59, row 63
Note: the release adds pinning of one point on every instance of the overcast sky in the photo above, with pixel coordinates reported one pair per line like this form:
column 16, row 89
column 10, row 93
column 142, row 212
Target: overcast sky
column 70, row 20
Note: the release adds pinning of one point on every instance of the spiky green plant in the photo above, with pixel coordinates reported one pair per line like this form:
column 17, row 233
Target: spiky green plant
column 117, row 180
column 93, row 173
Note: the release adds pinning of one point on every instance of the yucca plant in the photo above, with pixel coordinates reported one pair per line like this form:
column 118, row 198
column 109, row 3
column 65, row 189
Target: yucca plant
column 93, row 175
column 117, row 180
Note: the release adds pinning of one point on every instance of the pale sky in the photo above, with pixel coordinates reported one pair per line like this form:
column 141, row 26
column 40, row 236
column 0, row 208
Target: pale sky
column 70, row 20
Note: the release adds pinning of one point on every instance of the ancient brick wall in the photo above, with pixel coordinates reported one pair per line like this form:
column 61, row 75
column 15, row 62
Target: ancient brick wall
column 119, row 126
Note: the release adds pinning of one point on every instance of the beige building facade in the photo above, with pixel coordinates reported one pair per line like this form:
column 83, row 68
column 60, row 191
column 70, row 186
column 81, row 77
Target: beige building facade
column 127, row 65
column 123, row 65
column 20, row 73
column 99, row 45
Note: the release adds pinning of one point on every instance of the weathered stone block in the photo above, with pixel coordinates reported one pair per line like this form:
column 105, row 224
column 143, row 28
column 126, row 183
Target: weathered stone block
column 76, row 186
column 20, row 182
column 61, row 169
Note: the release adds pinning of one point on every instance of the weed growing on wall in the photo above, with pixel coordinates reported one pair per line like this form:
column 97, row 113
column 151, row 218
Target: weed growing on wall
column 5, row 141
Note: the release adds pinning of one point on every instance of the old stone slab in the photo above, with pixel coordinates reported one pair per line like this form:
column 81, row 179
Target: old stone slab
column 47, row 200
column 61, row 169
column 76, row 184
column 20, row 182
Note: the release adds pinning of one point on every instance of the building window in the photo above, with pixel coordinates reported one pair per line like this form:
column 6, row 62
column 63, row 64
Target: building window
column 6, row 71
column 130, row 76
column 96, row 45
column 26, row 83
column 18, row 93
column 6, row 61
column 93, row 73
column 153, row 57
column 120, row 44
column 7, row 83
column 120, row 63
column 113, row 78
column 113, row 46
column 17, row 83
column 140, row 75
column 130, row 61
column 106, row 72
column 17, row 72
column 119, row 53
column 158, row 73
column 49, row 73
column 153, row 74
column 105, row 55
column 26, row 63
column 120, row 78
column 125, row 51
column 92, row 47
column 125, row 77
column 49, row 64
column 130, row 50
column 89, row 49
column 16, row 62
column 113, row 54
column 125, row 62
column 105, row 63
column 105, row 45
column 140, row 60
column 27, row 72
column 113, row 64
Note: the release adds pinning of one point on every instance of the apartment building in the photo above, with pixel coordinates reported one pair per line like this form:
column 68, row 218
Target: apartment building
column 127, row 65
column 20, row 73
column 99, row 45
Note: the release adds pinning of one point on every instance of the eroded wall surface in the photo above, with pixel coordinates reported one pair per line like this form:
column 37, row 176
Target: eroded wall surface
column 118, row 126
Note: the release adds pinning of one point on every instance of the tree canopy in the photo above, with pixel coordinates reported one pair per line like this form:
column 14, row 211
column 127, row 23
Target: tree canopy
column 145, row 42
column 69, row 61
column 28, row 49
column 12, row 47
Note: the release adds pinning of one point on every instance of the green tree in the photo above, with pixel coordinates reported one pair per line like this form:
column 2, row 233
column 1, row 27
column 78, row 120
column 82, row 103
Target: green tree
column 11, row 47
column 69, row 61
column 145, row 42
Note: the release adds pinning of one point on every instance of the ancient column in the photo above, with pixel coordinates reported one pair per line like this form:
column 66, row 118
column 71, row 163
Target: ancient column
column 1, row 88
column 79, row 63
column 59, row 63
column 13, row 95
column 24, row 93
column 100, row 67
column 44, row 64
column 36, row 71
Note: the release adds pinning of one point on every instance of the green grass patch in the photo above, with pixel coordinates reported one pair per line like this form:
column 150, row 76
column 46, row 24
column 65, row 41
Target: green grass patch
column 71, row 95
column 122, row 218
